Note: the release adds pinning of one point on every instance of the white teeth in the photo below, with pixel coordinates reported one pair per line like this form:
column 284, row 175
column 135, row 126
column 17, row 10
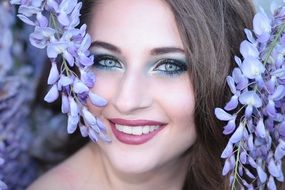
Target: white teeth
column 145, row 130
column 139, row 130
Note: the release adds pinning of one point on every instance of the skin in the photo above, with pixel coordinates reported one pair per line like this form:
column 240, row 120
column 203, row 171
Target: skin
column 136, row 87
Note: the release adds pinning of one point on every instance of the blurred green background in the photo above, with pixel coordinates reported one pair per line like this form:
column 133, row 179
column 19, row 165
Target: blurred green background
column 265, row 4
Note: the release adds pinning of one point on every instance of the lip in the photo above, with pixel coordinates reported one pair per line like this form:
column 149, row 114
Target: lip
column 138, row 122
column 134, row 139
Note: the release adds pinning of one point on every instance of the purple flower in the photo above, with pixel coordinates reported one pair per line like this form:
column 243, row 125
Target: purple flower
column 97, row 100
column 273, row 169
column 42, row 36
column 261, row 24
column 227, row 151
column 52, row 94
column 261, row 174
column 54, row 74
column 260, row 129
column 257, row 105
column 280, row 150
column 55, row 23
column 222, row 115
column 250, row 98
column 247, row 49
column 237, row 135
column 271, row 183
column 64, row 104
column 252, row 68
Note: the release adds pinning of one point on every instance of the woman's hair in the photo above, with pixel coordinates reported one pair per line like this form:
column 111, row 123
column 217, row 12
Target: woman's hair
column 212, row 31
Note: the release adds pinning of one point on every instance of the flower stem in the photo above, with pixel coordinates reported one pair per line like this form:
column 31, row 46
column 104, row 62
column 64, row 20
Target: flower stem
column 66, row 68
column 53, row 21
column 273, row 43
column 236, row 166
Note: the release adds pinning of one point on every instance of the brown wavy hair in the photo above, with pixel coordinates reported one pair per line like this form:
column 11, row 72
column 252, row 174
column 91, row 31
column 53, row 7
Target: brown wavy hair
column 212, row 31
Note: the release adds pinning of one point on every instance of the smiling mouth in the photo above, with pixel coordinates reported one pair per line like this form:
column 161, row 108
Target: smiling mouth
column 135, row 132
column 131, row 130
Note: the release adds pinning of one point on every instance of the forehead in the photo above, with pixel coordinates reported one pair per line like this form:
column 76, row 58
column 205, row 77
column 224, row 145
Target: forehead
column 135, row 22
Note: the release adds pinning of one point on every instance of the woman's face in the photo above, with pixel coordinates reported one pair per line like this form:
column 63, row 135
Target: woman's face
column 141, row 69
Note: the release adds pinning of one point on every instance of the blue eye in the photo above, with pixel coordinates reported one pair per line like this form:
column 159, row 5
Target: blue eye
column 107, row 62
column 171, row 67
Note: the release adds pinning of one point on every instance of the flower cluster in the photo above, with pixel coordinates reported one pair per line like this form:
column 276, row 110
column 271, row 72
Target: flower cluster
column 14, row 102
column 14, row 135
column 255, row 114
column 55, row 23
column 6, row 21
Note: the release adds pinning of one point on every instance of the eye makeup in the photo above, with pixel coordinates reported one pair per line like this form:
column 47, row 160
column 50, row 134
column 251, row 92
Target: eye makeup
column 166, row 67
column 170, row 67
column 106, row 62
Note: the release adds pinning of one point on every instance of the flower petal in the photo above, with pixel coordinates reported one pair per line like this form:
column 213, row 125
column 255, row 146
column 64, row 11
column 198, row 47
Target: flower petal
column 72, row 123
column 270, row 108
column 97, row 100
column 237, row 135
column 64, row 104
column 279, row 93
column 281, row 128
column 273, row 169
column 249, row 35
column 222, row 115
column 83, row 130
column 232, row 104
column 52, row 94
column 88, row 116
column 74, row 110
column 260, row 129
column 101, row 125
column 230, row 127
column 227, row 167
column 249, row 174
column 243, row 157
column 280, row 150
column 247, row 49
column 26, row 20
column 69, row 58
column 228, row 151
column 92, row 135
column 43, row 22
column 54, row 74
column 79, row 87
column 261, row 24
column 250, row 98
column 231, row 84
column 63, row 18
column 261, row 174
column 271, row 184
column 252, row 67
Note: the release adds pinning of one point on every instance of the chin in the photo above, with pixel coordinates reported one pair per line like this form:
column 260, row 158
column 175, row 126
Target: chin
column 131, row 161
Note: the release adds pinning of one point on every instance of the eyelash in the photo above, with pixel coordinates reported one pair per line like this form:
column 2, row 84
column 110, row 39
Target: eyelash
column 179, row 67
column 161, row 66
column 105, row 58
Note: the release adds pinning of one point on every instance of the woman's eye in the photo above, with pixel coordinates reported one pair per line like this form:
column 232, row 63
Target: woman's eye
column 106, row 62
column 171, row 67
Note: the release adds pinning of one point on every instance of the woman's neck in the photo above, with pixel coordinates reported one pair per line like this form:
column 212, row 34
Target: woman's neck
column 170, row 176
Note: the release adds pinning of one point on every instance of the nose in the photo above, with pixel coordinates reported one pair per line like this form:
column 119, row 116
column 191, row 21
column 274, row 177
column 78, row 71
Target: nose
column 132, row 94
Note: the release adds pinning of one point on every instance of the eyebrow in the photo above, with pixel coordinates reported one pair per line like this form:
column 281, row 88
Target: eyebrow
column 155, row 51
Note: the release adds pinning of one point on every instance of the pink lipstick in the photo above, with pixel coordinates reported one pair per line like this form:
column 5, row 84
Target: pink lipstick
column 135, row 132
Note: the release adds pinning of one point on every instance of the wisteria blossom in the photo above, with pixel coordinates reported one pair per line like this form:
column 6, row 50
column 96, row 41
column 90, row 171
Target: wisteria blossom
column 256, row 147
column 55, row 25
column 15, row 97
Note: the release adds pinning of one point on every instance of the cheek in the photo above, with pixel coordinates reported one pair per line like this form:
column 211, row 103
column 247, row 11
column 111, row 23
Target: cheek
column 176, row 98
column 106, row 84
column 177, row 101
